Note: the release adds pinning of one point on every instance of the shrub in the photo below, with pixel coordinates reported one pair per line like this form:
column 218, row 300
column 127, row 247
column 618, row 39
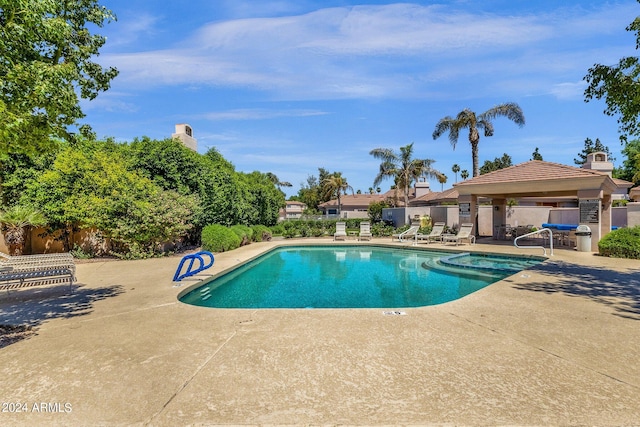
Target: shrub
column 380, row 229
column 218, row 238
column 290, row 233
column 261, row 233
column 277, row 230
column 621, row 243
column 244, row 233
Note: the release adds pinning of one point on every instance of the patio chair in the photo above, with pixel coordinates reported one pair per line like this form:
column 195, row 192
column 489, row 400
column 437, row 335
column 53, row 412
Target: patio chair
column 411, row 233
column 365, row 231
column 341, row 231
column 436, row 233
column 463, row 234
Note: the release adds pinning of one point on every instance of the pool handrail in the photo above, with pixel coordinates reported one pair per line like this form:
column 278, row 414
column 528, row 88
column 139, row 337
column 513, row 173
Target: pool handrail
column 193, row 257
column 515, row 241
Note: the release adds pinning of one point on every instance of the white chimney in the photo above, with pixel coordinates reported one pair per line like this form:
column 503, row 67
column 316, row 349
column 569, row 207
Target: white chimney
column 185, row 134
column 598, row 161
column 422, row 187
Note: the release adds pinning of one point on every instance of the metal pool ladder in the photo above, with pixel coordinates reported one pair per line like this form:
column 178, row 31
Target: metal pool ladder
column 202, row 265
column 515, row 241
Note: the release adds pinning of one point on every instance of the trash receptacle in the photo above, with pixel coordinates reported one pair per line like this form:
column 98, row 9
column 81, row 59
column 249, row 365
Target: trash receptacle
column 583, row 238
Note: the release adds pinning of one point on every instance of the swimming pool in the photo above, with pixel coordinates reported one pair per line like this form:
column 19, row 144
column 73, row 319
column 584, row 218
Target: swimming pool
column 342, row 276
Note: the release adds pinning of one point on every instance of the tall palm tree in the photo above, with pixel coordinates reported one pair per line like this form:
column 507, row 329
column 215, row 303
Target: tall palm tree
column 467, row 119
column 335, row 185
column 455, row 169
column 464, row 174
column 273, row 178
column 402, row 167
column 442, row 179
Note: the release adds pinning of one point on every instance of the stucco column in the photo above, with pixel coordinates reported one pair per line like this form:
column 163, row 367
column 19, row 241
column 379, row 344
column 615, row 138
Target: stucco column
column 591, row 213
column 499, row 215
column 605, row 220
column 468, row 210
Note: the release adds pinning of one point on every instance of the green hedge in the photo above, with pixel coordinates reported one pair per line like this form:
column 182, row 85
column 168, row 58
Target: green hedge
column 621, row 243
column 218, row 238
column 244, row 233
column 261, row 233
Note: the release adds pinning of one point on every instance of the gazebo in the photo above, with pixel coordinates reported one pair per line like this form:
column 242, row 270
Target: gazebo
column 536, row 178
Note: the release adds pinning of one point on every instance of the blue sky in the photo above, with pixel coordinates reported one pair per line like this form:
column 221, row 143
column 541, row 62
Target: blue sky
column 288, row 86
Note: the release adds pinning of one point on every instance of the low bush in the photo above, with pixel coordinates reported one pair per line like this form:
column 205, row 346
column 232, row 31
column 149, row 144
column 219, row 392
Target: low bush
column 261, row 233
column 621, row 243
column 244, row 233
column 277, row 230
column 218, row 238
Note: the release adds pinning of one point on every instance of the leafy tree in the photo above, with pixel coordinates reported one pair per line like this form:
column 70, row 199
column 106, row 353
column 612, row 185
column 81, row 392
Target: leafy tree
column 16, row 171
column 335, row 185
column 619, row 86
column 467, row 119
column 167, row 162
column 455, row 169
column 402, row 167
column 630, row 169
column 464, row 174
column 497, row 163
column 375, row 211
column 222, row 203
column 45, row 63
column 96, row 188
column 263, row 199
column 536, row 155
column 309, row 193
column 591, row 147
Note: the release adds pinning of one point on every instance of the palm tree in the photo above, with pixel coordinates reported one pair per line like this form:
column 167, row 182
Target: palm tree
column 273, row 178
column 467, row 119
column 402, row 168
column 442, row 179
column 455, row 169
column 335, row 185
column 15, row 222
column 464, row 174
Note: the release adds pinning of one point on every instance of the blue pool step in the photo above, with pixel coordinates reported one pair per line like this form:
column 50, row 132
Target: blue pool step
column 192, row 258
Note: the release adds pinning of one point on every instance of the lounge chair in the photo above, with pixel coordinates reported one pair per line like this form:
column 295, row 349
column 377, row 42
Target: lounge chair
column 463, row 234
column 436, row 233
column 365, row 231
column 407, row 234
column 341, row 231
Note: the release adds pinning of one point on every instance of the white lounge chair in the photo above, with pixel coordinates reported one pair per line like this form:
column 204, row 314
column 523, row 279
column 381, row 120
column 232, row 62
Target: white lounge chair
column 436, row 233
column 463, row 234
column 407, row 234
column 365, row 231
column 341, row 231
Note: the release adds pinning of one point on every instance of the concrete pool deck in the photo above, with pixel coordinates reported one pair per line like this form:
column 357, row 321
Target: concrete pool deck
column 558, row 344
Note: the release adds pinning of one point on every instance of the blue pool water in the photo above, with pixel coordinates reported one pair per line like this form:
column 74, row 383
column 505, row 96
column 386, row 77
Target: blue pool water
column 348, row 277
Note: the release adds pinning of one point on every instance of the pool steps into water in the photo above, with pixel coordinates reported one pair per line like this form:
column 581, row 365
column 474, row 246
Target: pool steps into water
column 202, row 265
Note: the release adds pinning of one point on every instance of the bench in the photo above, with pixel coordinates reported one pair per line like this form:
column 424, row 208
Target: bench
column 13, row 279
column 35, row 270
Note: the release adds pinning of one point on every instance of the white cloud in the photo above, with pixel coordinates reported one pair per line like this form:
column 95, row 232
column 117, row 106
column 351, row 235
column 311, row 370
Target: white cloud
column 259, row 114
column 385, row 51
column 569, row 90
column 131, row 28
